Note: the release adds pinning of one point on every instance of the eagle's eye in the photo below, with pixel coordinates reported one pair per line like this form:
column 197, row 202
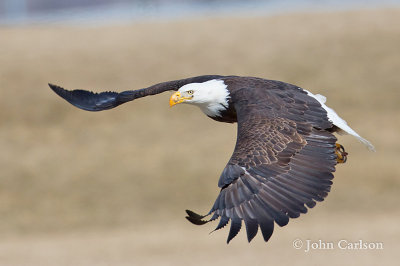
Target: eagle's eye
column 190, row 92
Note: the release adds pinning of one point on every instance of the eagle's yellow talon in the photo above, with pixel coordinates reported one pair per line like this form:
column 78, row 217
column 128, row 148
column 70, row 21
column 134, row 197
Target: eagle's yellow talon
column 340, row 153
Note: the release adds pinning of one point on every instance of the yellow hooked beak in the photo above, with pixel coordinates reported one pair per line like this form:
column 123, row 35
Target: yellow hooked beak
column 177, row 98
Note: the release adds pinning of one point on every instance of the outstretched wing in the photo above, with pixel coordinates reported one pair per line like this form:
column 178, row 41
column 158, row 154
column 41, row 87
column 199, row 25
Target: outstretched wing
column 91, row 101
column 279, row 166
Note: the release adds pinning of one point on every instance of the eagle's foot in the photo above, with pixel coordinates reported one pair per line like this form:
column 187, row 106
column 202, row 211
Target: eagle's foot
column 340, row 153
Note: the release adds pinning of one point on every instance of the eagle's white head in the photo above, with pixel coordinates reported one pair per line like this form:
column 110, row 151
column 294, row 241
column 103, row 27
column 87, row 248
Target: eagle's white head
column 211, row 96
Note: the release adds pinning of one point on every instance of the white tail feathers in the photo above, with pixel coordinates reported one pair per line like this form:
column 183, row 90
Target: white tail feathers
column 366, row 143
column 339, row 122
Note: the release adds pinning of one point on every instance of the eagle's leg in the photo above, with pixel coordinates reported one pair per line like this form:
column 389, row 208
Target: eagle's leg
column 340, row 153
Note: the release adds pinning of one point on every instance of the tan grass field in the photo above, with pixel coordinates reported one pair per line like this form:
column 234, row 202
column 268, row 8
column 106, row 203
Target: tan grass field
column 110, row 188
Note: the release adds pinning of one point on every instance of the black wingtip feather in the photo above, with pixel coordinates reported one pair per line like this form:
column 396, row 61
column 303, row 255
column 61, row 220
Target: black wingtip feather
column 57, row 89
column 195, row 221
column 267, row 228
column 222, row 223
column 236, row 225
column 194, row 215
column 195, row 218
column 251, row 228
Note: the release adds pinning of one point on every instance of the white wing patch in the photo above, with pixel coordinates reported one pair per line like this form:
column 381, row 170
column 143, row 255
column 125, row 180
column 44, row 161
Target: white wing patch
column 338, row 121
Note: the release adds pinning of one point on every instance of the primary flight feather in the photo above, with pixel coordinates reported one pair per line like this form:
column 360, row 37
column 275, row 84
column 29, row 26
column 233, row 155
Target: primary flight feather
column 285, row 152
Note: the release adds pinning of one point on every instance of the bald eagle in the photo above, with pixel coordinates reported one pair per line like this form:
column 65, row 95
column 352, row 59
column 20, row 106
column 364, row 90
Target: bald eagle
column 285, row 152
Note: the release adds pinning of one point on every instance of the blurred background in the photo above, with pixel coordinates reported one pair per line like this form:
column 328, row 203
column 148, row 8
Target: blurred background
column 110, row 188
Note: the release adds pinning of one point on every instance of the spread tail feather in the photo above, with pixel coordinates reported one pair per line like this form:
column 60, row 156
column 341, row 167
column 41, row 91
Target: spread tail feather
column 366, row 143
column 339, row 122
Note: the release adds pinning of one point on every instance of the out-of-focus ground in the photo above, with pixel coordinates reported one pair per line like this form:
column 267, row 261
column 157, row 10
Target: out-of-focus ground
column 110, row 188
